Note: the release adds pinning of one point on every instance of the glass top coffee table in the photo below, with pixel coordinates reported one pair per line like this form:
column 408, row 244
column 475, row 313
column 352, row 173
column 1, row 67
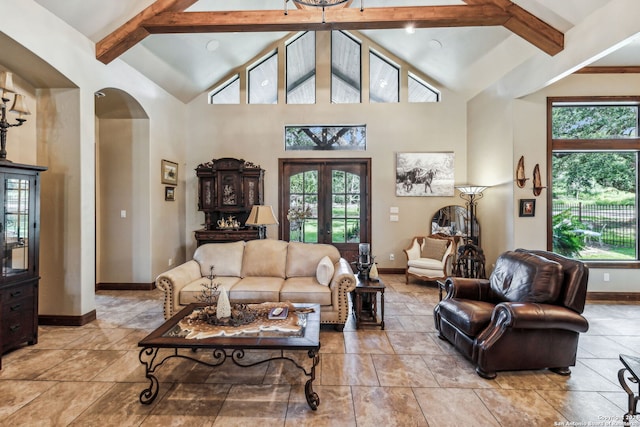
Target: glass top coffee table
column 232, row 345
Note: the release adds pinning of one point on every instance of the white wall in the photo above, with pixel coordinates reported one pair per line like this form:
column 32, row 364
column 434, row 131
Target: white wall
column 65, row 139
column 256, row 134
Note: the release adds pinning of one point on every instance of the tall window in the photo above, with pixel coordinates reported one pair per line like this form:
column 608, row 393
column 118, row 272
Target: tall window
column 384, row 80
column 594, row 178
column 345, row 69
column 263, row 81
column 227, row 93
column 301, row 69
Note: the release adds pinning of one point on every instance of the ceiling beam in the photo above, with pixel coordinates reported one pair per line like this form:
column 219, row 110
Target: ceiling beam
column 528, row 26
column 168, row 16
column 336, row 19
column 131, row 33
column 602, row 69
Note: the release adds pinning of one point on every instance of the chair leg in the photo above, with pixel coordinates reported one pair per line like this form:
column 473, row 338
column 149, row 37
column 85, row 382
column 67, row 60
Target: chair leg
column 564, row 371
column 486, row 375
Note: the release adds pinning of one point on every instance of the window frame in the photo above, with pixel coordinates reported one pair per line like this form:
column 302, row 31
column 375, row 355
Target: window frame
column 586, row 145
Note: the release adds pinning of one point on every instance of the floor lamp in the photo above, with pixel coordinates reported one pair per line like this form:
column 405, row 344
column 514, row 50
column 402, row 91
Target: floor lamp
column 261, row 216
column 471, row 258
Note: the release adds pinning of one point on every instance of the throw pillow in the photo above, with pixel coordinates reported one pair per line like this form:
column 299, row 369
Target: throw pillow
column 324, row 271
column 434, row 248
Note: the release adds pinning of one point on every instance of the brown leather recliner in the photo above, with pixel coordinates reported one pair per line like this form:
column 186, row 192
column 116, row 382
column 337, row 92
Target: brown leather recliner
column 527, row 315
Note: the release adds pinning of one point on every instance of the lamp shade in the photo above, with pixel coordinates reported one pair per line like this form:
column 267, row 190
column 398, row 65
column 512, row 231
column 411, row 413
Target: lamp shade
column 20, row 106
column 261, row 215
column 471, row 189
column 6, row 82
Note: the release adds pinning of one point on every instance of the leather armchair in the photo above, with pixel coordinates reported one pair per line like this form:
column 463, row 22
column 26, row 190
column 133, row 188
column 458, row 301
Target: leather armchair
column 430, row 257
column 527, row 315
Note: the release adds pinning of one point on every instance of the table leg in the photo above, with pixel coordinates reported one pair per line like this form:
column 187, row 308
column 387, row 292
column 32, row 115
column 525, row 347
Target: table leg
column 382, row 309
column 358, row 309
column 147, row 357
column 312, row 397
column 633, row 400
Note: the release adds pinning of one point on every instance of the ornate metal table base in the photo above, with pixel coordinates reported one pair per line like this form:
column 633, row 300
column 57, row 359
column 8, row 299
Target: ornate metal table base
column 631, row 366
column 149, row 357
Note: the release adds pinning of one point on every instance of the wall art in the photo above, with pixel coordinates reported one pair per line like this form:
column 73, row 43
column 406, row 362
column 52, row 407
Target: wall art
column 425, row 174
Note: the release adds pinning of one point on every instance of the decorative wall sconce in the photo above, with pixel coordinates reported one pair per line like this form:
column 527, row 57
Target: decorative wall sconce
column 537, row 181
column 520, row 178
column 19, row 106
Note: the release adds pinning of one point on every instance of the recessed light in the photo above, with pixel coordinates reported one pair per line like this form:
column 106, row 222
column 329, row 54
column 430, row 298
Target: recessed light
column 435, row 44
column 213, row 45
column 410, row 29
column 264, row 83
column 383, row 83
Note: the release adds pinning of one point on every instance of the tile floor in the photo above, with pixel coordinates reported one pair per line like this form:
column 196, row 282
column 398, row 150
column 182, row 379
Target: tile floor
column 403, row 376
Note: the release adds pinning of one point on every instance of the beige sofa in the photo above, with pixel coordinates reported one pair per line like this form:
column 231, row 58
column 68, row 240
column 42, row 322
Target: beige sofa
column 264, row 271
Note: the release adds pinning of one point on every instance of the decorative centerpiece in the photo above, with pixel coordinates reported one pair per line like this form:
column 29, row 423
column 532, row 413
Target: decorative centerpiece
column 231, row 223
column 218, row 310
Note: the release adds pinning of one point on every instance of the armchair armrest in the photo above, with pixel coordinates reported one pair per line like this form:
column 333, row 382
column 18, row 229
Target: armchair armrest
column 527, row 315
column 172, row 282
column 468, row 288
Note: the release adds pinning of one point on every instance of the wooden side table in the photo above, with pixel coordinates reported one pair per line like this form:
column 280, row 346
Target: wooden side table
column 365, row 302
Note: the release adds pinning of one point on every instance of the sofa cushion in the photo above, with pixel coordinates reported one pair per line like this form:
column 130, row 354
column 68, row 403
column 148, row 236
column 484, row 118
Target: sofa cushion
column 324, row 271
column 305, row 290
column 303, row 258
column 256, row 290
column 434, row 248
column 226, row 258
column 264, row 258
column 469, row 316
column 526, row 277
column 193, row 291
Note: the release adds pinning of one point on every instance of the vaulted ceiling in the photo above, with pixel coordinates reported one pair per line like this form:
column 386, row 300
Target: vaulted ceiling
column 186, row 46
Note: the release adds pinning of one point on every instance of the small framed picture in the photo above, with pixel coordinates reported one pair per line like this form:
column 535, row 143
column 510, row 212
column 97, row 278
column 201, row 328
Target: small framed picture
column 169, row 172
column 169, row 193
column 527, row 207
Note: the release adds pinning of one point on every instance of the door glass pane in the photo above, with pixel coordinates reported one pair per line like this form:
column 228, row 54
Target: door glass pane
column 303, row 207
column 16, row 233
column 345, row 207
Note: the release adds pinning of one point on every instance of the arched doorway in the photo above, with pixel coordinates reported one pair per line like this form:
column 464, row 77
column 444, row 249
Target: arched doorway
column 123, row 255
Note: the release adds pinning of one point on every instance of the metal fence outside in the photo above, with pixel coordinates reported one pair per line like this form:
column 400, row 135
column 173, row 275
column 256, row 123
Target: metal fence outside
column 613, row 225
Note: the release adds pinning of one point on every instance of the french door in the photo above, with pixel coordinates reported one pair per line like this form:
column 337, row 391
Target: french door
column 326, row 201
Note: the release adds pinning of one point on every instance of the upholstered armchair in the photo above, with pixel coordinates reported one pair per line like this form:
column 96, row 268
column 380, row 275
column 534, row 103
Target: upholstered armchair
column 430, row 257
column 527, row 315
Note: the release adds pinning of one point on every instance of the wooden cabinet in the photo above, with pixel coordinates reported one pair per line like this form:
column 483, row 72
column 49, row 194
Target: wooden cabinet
column 19, row 242
column 227, row 189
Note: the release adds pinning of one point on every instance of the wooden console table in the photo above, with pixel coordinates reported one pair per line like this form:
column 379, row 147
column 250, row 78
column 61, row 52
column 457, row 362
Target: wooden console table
column 365, row 302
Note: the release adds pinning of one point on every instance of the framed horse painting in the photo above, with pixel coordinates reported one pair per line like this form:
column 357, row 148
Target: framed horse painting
column 425, row 174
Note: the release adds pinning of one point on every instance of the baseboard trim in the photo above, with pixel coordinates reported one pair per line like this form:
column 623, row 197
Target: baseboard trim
column 613, row 296
column 391, row 270
column 53, row 320
column 125, row 286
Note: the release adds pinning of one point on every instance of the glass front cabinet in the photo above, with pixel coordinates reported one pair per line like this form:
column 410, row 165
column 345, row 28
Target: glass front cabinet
column 19, row 241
